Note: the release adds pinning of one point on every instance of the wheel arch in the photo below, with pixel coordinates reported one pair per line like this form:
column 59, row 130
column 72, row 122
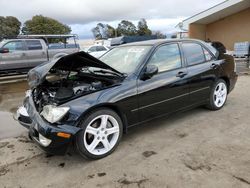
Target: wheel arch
column 113, row 107
column 226, row 79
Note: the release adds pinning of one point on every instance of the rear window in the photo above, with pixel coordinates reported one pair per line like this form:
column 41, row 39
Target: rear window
column 92, row 49
column 34, row 45
column 100, row 48
column 193, row 53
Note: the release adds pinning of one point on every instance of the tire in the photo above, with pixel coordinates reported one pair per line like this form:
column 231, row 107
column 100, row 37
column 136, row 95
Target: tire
column 218, row 95
column 101, row 134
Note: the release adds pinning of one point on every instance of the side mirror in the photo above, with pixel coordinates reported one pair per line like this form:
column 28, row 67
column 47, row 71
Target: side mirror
column 149, row 72
column 4, row 50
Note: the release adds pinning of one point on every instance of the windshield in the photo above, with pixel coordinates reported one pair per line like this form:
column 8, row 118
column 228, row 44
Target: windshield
column 125, row 59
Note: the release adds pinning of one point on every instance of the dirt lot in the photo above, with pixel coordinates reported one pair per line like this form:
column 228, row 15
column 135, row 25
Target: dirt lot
column 199, row 148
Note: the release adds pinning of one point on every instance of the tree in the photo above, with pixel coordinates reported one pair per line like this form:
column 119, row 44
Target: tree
column 142, row 28
column 97, row 31
column 126, row 28
column 9, row 26
column 44, row 25
column 111, row 32
column 159, row 35
column 103, row 31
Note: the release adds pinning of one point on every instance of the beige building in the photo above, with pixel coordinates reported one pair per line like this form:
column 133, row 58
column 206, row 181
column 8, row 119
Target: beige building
column 227, row 22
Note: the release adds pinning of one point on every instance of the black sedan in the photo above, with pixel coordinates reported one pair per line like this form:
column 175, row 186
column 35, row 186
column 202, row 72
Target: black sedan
column 92, row 102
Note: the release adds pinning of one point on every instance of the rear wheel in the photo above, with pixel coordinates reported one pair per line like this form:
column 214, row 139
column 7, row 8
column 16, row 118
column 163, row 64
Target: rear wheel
column 102, row 132
column 218, row 95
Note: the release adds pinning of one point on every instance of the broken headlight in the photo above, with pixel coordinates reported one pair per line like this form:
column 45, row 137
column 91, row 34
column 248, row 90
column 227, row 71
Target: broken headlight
column 53, row 113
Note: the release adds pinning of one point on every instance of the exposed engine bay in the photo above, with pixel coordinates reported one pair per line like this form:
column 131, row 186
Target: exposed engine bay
column 62, row 86
column 69, row 77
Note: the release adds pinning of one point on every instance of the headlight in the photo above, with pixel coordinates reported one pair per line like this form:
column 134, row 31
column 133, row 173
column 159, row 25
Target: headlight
column 53, row 113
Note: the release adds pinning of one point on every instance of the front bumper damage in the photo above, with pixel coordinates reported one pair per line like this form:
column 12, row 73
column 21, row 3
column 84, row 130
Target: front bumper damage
column 46, row 135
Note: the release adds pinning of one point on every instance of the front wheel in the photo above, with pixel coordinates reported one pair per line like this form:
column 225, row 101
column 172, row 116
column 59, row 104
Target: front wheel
column 101, row 134
column 218, row 95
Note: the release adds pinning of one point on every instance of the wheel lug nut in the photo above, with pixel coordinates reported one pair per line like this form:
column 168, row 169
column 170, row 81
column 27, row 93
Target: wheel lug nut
column 103, row 137
column 106, row 132
column 102, row 129
column 98, row 138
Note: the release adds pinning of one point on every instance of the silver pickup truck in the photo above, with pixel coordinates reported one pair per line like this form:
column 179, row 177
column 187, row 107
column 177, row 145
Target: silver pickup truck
column 20, row 55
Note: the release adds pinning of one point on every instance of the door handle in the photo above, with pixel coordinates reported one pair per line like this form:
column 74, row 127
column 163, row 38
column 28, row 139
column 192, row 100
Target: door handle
column 181, row 74
column 214, row 66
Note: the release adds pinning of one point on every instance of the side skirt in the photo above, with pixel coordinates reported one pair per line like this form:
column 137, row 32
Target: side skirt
column 172, row 113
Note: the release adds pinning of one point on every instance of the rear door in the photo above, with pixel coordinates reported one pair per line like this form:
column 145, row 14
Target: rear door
column 167, row 91
column 36, row 54
column 16, row 58
column 203, row 70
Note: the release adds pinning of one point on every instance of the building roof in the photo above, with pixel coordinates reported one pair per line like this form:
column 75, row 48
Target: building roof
column 222, row 10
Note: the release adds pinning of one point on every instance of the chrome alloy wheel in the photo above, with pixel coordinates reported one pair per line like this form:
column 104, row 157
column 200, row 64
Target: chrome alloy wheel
column 220, row 94
column 101, row 134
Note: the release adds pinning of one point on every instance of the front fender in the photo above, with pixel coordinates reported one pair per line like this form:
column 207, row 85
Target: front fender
column 79, row 107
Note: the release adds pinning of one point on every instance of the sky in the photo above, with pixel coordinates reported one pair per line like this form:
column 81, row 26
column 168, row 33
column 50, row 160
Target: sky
column 83, row 15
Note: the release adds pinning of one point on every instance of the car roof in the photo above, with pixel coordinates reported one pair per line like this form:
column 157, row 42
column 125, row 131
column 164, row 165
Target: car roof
column 160, row 41
column 17, row 39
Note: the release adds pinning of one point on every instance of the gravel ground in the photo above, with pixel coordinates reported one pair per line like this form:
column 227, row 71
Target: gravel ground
column 198, row 148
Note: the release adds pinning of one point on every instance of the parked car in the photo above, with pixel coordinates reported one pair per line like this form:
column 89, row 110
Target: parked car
column 92, row 102
column 129, row 39
column 22, row 54
column 97, row 50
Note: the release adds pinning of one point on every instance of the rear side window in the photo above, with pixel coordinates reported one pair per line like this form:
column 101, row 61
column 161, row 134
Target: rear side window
column 34, row 45
column 208, row 56
column 166, row 58
column 193, row 53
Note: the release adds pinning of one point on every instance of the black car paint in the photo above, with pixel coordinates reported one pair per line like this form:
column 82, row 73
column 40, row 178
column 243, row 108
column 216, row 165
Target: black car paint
column 137, row 100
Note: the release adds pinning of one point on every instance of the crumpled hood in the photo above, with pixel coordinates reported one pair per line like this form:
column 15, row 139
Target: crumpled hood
column 70, row 62
column 80, row 59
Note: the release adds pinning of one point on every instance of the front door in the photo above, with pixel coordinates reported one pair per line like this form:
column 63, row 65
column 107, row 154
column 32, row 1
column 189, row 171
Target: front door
column 16, row 58
column 36, row 54
column 167, row 91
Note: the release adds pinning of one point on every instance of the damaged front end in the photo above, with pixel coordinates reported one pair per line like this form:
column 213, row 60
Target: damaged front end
column 70, row 77
column 54, row 84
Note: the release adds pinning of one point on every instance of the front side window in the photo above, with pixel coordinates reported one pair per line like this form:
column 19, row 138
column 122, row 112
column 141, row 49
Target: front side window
column 166, row 58
column 125, row 59
column 34, row 45
column 193, row 53
column 14, row 46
